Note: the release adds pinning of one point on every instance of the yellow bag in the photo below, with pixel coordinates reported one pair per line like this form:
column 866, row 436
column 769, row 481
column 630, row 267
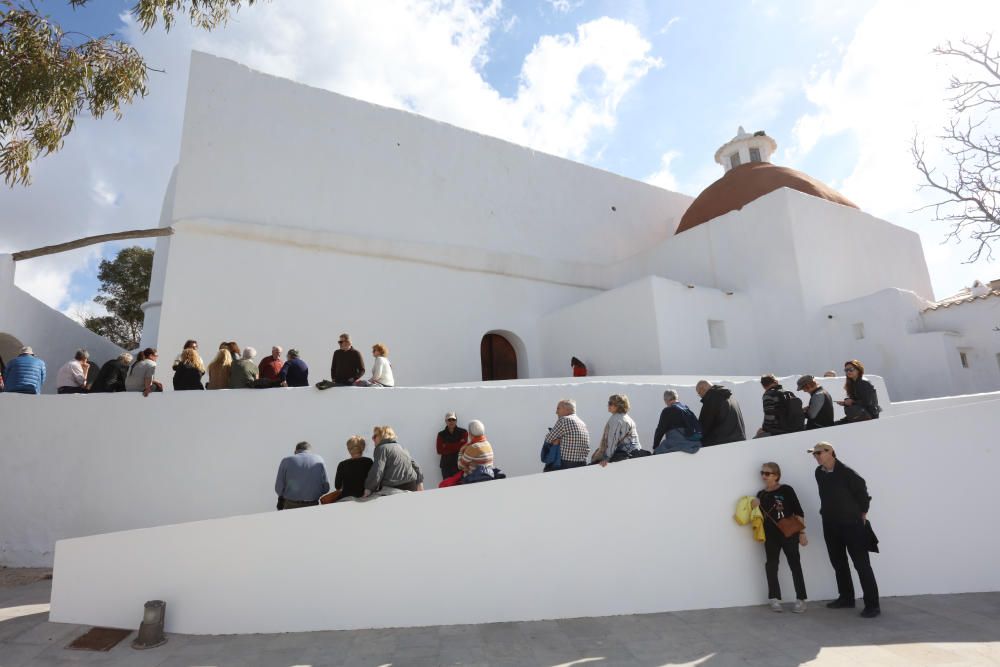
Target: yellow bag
column 742, row 515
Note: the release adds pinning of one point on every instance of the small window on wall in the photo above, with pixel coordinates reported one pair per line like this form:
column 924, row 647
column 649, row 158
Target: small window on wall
column 717, row 334
column 734, row 160
column 859, row 330
column 964, row 358
column 755, row 155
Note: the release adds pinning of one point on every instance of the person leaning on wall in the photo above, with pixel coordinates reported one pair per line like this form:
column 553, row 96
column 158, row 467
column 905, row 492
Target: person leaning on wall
column 844, row 504
column 781, row 508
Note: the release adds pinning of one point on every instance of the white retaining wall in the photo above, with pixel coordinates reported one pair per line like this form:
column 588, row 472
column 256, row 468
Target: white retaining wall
column 79, row 465
column 642, row 536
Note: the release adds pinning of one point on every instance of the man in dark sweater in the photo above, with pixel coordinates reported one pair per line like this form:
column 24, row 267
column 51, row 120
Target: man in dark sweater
column 819, row 412
column 844, row 502
column 678, row 429
column 347, row 365
column 721, row 418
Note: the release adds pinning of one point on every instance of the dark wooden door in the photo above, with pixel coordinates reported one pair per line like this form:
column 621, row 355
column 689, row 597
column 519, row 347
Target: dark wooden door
column 498, row 358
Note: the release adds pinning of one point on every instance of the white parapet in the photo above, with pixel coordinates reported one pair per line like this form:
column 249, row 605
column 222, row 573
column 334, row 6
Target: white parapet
column 78, row 465
column 648, row 535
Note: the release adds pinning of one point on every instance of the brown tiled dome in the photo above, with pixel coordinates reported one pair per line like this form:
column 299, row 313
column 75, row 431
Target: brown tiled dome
column 741, row 185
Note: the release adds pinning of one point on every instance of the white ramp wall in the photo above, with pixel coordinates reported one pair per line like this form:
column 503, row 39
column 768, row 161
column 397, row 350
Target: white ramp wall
column 184, row 456
column 648, row 535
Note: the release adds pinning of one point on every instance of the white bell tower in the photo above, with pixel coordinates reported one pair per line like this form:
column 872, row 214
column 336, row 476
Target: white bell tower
column 745, row 148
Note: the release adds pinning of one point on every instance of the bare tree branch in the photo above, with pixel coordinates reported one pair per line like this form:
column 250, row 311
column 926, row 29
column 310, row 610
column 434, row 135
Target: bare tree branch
column 970, row 190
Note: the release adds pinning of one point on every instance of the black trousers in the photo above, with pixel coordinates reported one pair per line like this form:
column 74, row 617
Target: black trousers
column 773, row 546
column 851, row 539
column 565, row 465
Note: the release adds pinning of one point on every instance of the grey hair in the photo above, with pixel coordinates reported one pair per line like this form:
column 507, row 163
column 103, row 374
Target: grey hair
column 569, row 403
column 249, row 353
column 125, row 358
column 81, row 355
column 476, row 428
column 670, row 395
column 303, row 447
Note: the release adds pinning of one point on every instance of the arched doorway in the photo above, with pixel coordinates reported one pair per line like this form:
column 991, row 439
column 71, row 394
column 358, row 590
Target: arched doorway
column 10, row 347
column 498, row 358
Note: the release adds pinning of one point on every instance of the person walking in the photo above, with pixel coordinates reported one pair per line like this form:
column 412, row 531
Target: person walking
column 844, row 503
column 778, row 501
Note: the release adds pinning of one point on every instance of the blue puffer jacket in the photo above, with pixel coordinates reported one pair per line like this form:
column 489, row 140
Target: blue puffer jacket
column 24, row 374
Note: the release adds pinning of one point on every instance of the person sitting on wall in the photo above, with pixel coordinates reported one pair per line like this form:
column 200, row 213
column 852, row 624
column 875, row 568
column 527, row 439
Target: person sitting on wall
column 830, row 374
column 218, row 370
column 678, row 430
column 270, row 366
column 819, row 412
column 381, row 369
column 352, row 472
column 861, row 403
column 449, row 443
column 141, row 376
column 243, row 373
column 783, row 411
column 295, row 372
column 189, row 370
column 189, row 344
column 476, row 458
column 392, row 466
column 72, row 376
column 579, row 368
column 721, row 418
column 620, row 439
column 111, row 377
column 302, row 479
column 25, row 373
column 347, row 366
column 570, row 435
column 234, row 350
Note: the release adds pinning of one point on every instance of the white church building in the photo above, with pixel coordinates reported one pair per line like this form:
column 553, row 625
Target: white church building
column 298, row 213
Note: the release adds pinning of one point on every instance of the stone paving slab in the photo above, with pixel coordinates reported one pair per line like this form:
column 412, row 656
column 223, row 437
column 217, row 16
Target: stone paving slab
column 916, row 630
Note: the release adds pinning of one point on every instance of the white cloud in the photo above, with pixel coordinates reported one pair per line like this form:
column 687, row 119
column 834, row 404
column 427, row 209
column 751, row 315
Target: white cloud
column 564, row 6
column 427, row 56
column 664, row 177
column 887, row 86
column 668, row 25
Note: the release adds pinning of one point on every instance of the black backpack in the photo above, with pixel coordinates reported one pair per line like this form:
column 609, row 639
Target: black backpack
column 788, row 412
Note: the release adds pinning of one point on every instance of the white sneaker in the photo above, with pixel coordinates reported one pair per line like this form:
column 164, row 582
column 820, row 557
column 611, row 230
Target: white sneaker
column 800, row 607
column 775, row 605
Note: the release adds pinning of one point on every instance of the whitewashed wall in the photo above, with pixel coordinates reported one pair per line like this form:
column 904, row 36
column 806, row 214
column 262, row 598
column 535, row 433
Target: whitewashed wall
column 642, row 536
column 185, row 456
column 223, row 286
column 977, row 322
column 349, row 166
column 53, row 337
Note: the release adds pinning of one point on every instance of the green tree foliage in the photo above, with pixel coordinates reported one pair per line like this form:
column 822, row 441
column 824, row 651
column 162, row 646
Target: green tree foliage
column 968, row 191
column 124, row 288
column 49, row 76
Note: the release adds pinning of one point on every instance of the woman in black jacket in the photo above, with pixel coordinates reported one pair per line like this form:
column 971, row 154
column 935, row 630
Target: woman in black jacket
column 862, row 399
column 189, row 371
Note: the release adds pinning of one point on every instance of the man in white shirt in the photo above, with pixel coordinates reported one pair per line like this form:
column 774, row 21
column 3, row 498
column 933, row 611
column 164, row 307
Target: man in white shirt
column 72, row 377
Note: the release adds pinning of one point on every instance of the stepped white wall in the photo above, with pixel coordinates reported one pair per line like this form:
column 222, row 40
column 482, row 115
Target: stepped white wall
column 648, row 535
column 79, row 465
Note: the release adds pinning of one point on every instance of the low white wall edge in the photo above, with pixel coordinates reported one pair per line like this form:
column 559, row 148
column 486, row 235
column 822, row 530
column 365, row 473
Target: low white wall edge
column 648, row 535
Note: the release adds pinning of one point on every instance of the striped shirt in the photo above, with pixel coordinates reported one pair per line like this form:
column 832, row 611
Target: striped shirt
column 574, row 439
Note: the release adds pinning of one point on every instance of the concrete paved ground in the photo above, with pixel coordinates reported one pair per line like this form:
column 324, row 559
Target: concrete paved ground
column 918, row 630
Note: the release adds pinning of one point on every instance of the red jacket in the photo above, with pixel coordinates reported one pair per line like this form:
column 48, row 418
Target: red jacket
column 270, row 367
column 451, row 443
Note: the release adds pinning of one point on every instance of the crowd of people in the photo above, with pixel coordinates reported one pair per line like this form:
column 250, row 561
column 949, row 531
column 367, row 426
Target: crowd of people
column 467, row 457
column 231, row 368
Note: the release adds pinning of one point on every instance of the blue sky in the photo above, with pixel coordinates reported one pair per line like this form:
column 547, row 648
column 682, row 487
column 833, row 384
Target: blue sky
column 647, row 89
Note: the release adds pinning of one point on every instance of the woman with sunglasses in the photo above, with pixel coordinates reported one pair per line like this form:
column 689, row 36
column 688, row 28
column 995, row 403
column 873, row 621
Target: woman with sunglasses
column 778, row 501
column 861, row 403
